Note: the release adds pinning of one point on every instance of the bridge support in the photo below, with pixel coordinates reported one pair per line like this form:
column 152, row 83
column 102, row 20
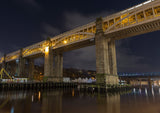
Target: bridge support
column 30, row 68
column 58, row 70
column 112, row 57
column 48, row 63
column 21, row 65
column 57, row 74
column 105, row 57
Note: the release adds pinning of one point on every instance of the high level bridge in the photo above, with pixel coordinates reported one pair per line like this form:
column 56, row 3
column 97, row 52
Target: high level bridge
column 141, row 78
column 103, row 32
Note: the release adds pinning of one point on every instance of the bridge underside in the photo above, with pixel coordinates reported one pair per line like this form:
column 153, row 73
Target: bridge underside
column 74, row 46
column 135, row 30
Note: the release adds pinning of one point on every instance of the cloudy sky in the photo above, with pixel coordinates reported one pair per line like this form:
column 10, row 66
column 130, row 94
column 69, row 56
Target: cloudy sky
column 25, row 22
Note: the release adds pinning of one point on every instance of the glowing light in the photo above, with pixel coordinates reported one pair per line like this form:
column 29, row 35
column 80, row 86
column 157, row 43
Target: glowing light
column 65, row 42
column 47, row 49
column 32, row 98
column 39, row 95
column 72, row 92
column 152, row 91
column 139, row 90
column 12, row 110
column 146, row 91
column 134, row 90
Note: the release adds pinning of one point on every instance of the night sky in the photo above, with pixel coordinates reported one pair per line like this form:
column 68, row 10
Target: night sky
column 25, row 22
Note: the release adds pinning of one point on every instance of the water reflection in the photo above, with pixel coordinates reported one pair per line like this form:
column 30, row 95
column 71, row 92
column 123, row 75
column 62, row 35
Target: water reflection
column 146, row 92
column 109, row 104
column 12, row 109
column 152, row 92
column 32, row 98
column 39, row 95
column 140, row 100
column 52, row 102
column 140, row 90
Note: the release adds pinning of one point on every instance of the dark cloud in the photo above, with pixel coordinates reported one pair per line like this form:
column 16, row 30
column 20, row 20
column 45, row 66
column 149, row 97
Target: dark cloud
column 76, row 19
column 127, row 60
column 81, row 59
column 32, row 3
column 49, row 30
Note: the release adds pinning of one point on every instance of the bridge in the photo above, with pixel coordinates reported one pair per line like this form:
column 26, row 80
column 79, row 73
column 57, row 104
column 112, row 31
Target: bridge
column 102, row 33
column 150, row 78
column 149, row 74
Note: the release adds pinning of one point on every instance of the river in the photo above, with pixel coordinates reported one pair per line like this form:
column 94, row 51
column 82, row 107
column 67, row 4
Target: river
column 137, row 100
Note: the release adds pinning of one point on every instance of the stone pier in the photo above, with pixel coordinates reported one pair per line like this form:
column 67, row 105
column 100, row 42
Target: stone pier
column 48, row 62
column 105, row 57
column 58, row 70
column 53, row 72
column 30, row 68
column 21, row 65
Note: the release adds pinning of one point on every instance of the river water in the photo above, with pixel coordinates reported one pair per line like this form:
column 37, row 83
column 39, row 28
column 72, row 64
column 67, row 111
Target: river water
column 136, row 100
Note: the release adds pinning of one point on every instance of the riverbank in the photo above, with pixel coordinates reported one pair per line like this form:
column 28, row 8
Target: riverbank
column 62, row 85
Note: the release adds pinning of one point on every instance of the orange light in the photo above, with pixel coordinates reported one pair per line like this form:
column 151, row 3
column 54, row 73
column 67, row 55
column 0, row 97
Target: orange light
column 65, row 42
column 39, row 95
column 47, row 49
column 72, row 92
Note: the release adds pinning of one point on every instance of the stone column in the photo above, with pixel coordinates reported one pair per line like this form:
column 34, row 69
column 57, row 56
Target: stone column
column 30, row 68
column 105, row 57
column 112, row 58
column 102, row 59
column 21, row 65
column 58, row 67
column 48, row 63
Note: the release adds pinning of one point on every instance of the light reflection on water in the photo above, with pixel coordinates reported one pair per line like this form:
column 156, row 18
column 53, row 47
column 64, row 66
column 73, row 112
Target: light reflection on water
column 139, row 100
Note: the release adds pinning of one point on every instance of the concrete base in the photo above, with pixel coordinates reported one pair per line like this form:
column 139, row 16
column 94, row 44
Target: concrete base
column 107, row 79
column 55, row 80
column 112, row 79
